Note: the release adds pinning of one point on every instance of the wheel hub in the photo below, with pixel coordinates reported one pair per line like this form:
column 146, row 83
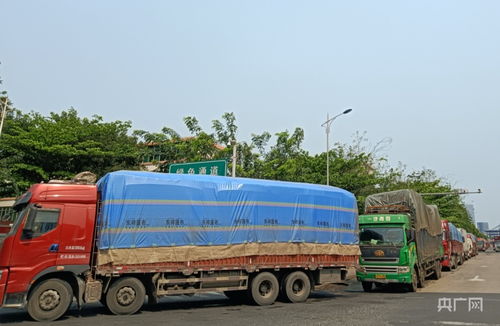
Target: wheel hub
column 125, row 296
column 49, row 300
column 265, row 288
column 297, row 286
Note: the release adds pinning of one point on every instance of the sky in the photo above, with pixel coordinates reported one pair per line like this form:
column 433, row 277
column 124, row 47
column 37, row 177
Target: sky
column 422, row 76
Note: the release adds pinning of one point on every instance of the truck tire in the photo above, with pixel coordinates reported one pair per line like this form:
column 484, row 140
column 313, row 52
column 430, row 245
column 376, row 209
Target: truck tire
column 125, row 296
column 437, row 270
column 367, row 286
column 412, row 287
column 297, row 287
column 264, row 289
column 421, row 278
column 49, row 300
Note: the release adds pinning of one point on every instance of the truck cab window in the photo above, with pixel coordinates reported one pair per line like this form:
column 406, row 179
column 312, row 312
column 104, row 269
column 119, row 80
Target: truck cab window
column 45, row 221
column 379, row 235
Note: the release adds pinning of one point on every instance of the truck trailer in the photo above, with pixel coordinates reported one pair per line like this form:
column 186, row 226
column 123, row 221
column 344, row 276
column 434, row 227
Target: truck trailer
column 143, row 235
column 400, row 240
column 453, row 245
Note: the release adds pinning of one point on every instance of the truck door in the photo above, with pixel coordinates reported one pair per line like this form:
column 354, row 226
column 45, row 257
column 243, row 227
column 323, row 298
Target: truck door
column 76, row 235
column 36, row 244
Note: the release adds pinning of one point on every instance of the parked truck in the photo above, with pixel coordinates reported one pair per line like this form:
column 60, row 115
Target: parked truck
column 400, row 240
column 467, row 244
column 482, row 244
column 496, row 243
column 474, row 250
column 453, row 245
column 138, row 235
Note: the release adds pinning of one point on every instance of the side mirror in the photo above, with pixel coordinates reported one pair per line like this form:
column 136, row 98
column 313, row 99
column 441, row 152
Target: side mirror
column 28, row 225
column 410, row 235
column 27, row 234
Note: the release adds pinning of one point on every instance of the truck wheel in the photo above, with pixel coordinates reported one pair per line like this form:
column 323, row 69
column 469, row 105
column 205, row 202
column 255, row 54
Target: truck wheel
column 412, row 287
column 421, row 279
column 297, row 287
column 264, row 289
column 125, row 296
column 367, row 286
column 50, row 300
column 437, row 270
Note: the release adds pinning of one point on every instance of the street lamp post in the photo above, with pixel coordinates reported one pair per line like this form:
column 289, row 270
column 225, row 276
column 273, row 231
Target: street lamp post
column 234, row 157
column 327, row 125
column 4, row 112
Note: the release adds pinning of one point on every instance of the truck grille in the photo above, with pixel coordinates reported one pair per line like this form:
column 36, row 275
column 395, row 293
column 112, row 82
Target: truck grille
column 377, row 259
column 381, row 269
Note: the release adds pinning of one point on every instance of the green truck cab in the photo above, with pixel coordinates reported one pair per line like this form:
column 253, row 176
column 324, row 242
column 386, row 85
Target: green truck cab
column 400, row 240
column 387, row 250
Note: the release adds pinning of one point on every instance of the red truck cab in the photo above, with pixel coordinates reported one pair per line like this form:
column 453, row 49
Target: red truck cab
column 482, row 244
column 52, row 233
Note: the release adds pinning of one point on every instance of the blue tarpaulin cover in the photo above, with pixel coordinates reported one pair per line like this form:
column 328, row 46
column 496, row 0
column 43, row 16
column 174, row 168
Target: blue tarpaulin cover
column 147, row 209
column 455, row 233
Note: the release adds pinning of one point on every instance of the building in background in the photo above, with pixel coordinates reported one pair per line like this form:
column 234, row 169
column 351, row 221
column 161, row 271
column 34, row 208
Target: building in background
column 494, row 232
column 471, row 212
column 482, row 226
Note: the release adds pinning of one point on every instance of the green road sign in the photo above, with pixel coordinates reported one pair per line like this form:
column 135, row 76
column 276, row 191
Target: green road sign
column 207, row 167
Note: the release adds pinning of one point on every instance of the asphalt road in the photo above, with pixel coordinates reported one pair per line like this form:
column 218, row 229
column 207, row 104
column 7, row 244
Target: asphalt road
column 481, row 274
column 339, row 305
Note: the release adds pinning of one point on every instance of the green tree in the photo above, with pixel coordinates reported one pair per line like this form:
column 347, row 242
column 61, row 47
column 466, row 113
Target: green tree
column 35, row 148
column 451, row 207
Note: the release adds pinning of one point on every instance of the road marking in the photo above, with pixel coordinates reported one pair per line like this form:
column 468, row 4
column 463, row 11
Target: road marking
column 459, row 323
column 476, row 278
column 484, row 266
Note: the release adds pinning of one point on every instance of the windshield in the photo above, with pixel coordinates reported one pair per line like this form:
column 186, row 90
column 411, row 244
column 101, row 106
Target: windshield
column 381, row 235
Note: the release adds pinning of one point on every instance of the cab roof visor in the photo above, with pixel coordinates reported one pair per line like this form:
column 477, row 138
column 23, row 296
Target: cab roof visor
column 22, row 201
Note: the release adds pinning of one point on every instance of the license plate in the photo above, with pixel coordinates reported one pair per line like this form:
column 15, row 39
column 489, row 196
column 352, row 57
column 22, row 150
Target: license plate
column 379, row 275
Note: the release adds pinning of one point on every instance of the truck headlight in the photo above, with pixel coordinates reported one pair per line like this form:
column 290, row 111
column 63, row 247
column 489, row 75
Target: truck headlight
column 403, row 269
column 361, row 269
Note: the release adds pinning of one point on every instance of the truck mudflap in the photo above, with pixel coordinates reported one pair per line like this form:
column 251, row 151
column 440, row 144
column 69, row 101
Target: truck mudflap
column 4, row 275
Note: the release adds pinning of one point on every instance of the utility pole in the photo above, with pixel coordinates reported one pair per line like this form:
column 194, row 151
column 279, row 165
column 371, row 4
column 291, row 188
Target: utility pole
column 327, row 125
column 4, row 112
